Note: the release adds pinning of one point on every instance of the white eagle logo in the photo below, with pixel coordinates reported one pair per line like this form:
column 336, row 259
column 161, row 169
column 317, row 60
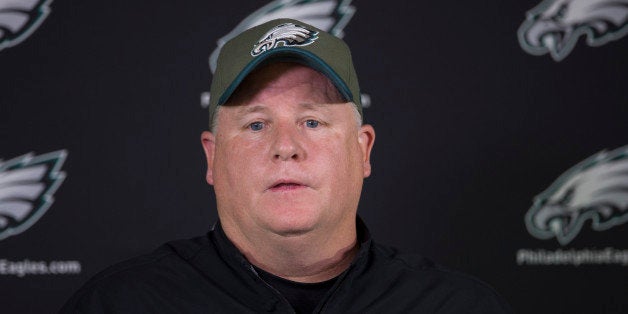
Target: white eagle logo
column 554, row 26
column 329, row 15
column 20, row 18
column 288, row 34
column 596, row 189
column 27, row 186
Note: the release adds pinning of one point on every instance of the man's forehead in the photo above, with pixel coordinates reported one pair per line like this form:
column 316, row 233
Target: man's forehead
column 242, row 109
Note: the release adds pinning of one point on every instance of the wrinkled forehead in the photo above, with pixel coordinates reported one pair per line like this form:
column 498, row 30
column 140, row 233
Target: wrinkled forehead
column 276, row 78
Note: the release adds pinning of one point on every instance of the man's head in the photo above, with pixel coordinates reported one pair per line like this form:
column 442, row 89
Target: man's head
column 287, row 153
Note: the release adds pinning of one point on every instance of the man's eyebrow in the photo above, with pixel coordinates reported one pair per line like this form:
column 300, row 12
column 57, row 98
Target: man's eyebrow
column 251, row 109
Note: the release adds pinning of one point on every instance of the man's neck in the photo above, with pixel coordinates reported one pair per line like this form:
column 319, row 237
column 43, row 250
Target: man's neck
column 309, row 257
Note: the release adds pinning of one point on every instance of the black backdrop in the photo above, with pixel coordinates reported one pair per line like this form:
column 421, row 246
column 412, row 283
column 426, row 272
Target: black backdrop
column 470, row 128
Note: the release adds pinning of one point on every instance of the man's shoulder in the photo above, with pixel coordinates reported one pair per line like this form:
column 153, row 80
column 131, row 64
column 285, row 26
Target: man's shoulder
column 167, row 268
column 418, row 277
column 173, row 254
column 416, row 265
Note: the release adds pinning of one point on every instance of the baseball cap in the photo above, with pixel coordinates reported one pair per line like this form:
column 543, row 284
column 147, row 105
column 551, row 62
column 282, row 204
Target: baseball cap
column 283, row 40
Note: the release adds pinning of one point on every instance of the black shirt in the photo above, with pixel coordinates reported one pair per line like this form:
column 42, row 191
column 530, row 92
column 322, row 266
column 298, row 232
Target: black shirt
column 304, row 297
column 209, row 275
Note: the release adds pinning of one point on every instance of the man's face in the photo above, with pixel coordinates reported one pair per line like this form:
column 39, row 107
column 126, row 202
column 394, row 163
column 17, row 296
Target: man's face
column 288, row 155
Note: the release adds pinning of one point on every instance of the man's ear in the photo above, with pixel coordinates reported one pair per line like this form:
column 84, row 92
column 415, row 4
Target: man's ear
column 366, row 139
column 208, row 140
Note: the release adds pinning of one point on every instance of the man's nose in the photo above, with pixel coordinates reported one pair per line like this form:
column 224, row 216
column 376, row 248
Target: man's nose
column 287, row 144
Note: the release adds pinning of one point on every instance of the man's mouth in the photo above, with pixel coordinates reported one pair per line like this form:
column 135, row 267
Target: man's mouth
column 286, row 186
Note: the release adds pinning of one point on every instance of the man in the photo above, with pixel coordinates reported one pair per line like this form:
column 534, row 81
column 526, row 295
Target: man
column 287, row 155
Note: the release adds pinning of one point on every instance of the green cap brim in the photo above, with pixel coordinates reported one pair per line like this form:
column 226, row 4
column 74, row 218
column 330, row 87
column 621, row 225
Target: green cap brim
column 288, row 54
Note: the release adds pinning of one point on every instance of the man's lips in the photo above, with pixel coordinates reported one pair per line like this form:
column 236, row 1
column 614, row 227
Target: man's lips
column 286, row 185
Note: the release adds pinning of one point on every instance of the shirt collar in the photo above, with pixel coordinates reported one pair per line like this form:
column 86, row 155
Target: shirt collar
column 231, row 253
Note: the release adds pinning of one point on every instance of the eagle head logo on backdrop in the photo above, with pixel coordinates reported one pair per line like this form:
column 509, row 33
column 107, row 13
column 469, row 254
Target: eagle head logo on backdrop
column 596, row 189
column 27, row 186
column 554, row 26
column 19, row 19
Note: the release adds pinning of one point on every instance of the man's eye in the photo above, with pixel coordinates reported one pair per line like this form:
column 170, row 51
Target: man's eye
column 311, row 123
column 256, row 126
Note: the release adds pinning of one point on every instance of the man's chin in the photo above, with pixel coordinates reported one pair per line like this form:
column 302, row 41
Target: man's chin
column 292, row 228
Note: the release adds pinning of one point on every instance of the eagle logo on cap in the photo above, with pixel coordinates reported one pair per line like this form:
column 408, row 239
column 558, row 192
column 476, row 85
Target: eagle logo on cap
column 288, row 34
column 329, row 15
